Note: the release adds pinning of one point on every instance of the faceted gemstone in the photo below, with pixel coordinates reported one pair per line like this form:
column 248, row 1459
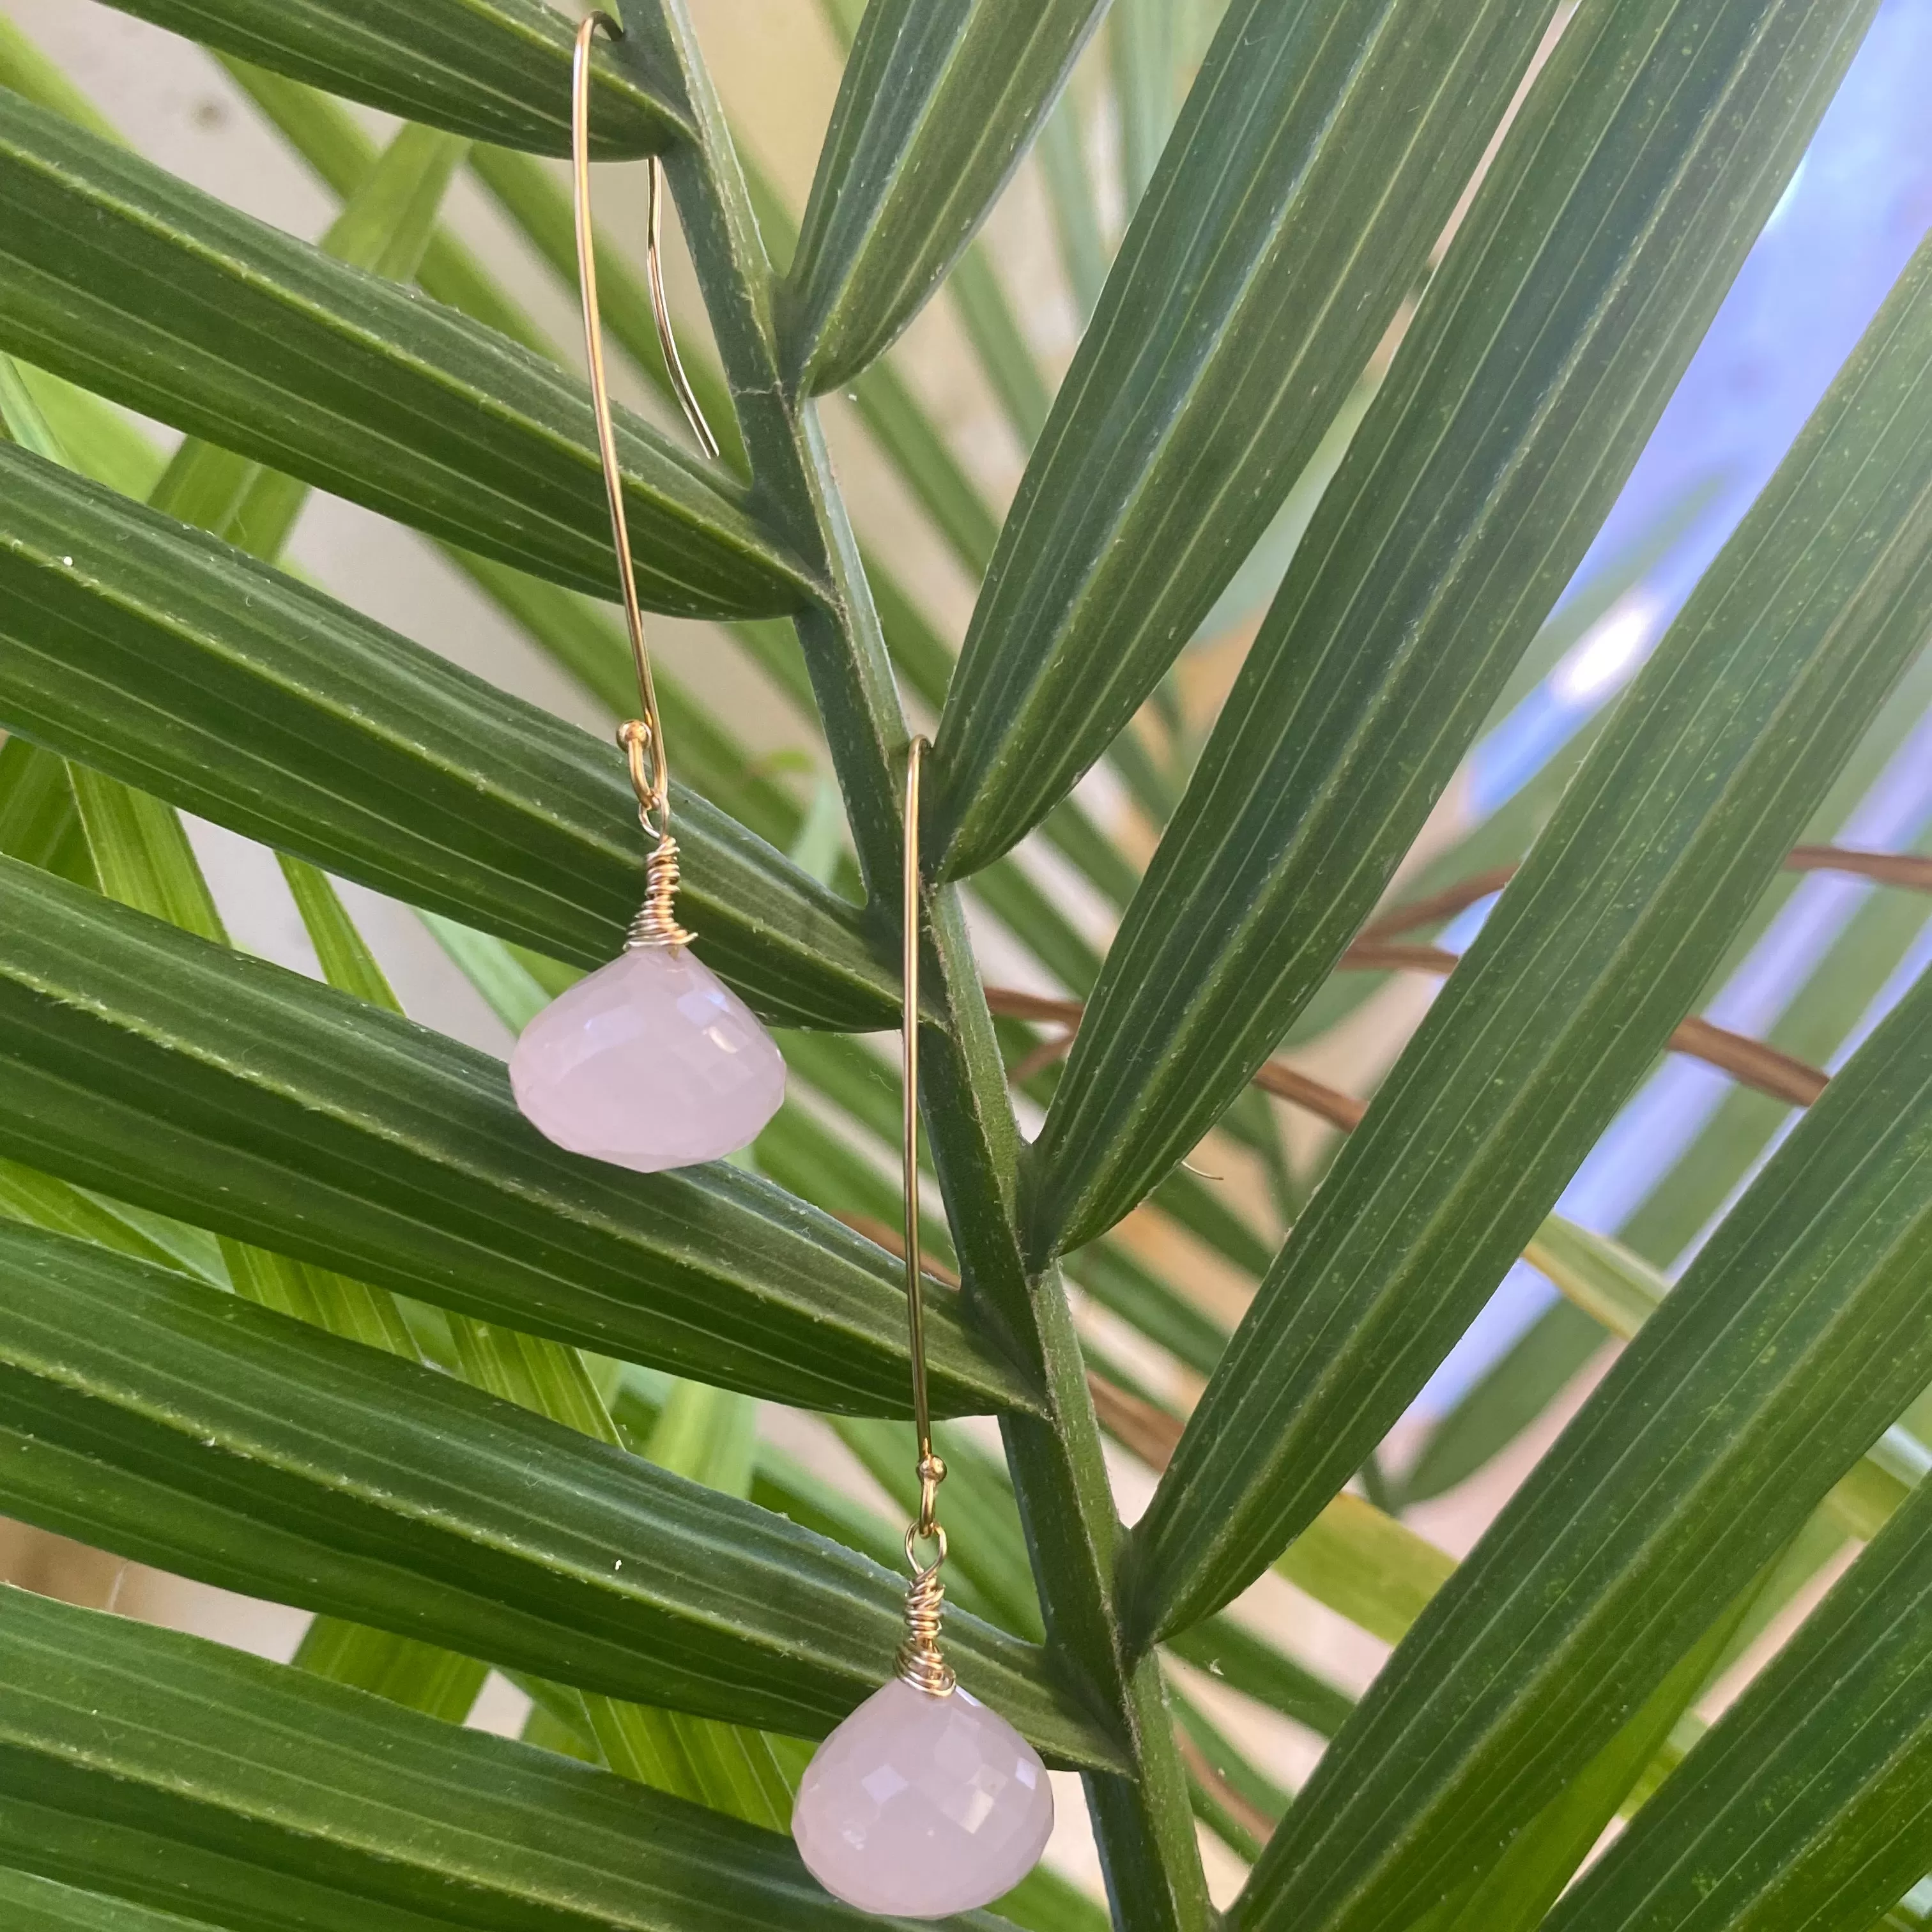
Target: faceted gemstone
column 650, row 1062
column 920, row 1805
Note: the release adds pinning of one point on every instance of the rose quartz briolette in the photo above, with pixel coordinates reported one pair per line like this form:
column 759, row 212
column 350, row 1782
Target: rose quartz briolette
column 651, row 1062
column 919, row 1806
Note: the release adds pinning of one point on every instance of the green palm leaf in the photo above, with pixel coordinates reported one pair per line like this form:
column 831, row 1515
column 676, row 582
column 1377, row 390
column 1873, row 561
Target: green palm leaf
column 291, row 1299
column 1754, row 1389
column 155, row 648
column 1524, row 1883
column 180, row 1426
column 191, row 312
column 39, row 821
column 1589, row 267
column 1679, row 818
column 153, row 1768
column 937, row 106
column 1807, row 1802
column 155, row 1066
column 42, row 1905
column 1193, row 401
column 492, row 69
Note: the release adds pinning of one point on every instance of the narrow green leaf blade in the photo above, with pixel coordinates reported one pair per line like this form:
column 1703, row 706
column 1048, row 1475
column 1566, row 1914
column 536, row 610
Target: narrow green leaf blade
column 1244, row 1662
column 936, row 106
column 994, row 329
column 385, row 225
column 189, row 671
column 437, row 1682
column 100, row 439
column 493, row 70
column 21, row 419
column 1620, row 1292
column 253, row 1101
column 1376, row 1571
column 1141, row 38
column 39, row 822
column 710, row 1436
column 33, row 1904
column 1649, row 151
column 154, row 1766
column 1680, row 816
column 134, row 285
column 1795, row 1338
column 1543, row 1856
column 42, row 1201
column 908, row 436
column 1318, row 157
column 141, row 854
column 162, row 1418
column 1070, row 197
column 327, row 136
column 1809, row 1802
column 141, row 857
column 144, row 861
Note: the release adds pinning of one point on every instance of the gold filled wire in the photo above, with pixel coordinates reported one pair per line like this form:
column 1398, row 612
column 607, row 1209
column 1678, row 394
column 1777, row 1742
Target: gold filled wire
column 641, row 738
column 919, row 1662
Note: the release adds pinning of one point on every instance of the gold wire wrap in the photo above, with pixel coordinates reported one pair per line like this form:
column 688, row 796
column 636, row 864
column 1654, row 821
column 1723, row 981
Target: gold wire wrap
column 642, row 739
column 656, row 922
column 919, row 1663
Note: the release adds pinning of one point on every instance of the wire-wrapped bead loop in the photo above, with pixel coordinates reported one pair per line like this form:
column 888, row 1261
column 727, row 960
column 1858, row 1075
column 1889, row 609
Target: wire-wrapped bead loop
column 656, row 921
column 919, row 1662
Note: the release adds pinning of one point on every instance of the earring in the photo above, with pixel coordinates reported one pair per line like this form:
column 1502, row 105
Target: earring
column 652, row 1061
column 923, row 1802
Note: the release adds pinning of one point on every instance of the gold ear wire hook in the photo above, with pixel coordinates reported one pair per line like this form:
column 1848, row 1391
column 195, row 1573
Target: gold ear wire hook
column 919, row 1662
column 680, row 382
column 910, row 914
column 642, row 739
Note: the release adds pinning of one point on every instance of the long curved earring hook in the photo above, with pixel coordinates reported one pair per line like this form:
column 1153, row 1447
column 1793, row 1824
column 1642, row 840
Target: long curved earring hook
column 919, row 1663
column 680, row 382
column 643, row 739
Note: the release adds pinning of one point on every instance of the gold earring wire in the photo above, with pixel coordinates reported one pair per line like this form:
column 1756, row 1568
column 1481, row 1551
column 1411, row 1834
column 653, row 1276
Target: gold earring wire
column 919, row 1663
column 642, row 739
column 680, row 382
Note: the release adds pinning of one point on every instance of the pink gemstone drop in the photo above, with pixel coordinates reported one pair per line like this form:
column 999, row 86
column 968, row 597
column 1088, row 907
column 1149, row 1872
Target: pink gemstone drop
column 651, row 1062
column 920, row 1806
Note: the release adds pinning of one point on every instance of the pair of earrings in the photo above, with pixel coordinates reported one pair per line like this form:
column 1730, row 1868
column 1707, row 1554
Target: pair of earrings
column 923, row 1802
